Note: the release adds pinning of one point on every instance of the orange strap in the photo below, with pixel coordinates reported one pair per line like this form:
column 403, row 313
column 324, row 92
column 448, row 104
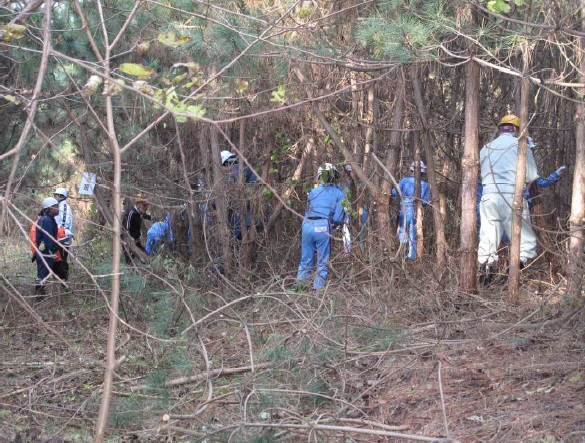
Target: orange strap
column 33, row 238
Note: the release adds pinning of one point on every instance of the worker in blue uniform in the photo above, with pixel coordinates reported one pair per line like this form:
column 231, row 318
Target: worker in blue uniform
column 229, row 160
column 407, row 217
column 159, row 233
column 324, row 212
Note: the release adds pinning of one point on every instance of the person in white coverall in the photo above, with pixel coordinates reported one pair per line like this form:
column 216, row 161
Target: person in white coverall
column 64, row 221
column 498, row 161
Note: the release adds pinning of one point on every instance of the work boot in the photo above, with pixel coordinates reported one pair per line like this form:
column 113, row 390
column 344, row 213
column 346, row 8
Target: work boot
column 526, row 263
column 40, row 293
column 486, row 274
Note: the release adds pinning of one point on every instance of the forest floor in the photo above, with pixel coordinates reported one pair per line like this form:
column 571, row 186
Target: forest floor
column 398, row 358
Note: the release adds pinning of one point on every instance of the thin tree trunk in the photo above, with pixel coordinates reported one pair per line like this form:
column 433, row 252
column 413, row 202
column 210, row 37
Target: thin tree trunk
column 470, row 173
column 420, row 240
column 356, row 111
column 116, row 245
column 370, row 126
column 383, row 220
column 575, row 261
column 200, row 213
column 182, row 226
column 248, row 236
column 445, row 184
column 224, row 234
column 518, row 203
column 115, row 293
column 437, row 217
column 32, row 105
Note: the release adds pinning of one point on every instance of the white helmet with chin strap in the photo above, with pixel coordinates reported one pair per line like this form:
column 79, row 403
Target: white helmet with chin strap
column 61, row 191
column 423, row 167
column 331, row 173
column 227, row 156
column 50, row 201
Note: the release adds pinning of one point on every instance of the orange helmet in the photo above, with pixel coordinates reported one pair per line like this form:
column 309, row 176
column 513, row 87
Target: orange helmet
column 510, row 119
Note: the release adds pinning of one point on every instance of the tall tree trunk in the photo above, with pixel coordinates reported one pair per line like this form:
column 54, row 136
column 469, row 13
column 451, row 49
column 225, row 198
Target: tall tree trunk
column 575, row 262
column 470, row 161
column 383, row 220
column 370, row 127
column 518, row 203
column 437, row 217
column 244, row 207
column 224, row 234
column 357, row 108
column 470, row 173
column 182, row 221
column 203, row 238
column 420, row 240
column 112, row 139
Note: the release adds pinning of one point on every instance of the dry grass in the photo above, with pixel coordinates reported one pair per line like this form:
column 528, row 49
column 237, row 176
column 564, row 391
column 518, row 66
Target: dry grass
column 388, row 358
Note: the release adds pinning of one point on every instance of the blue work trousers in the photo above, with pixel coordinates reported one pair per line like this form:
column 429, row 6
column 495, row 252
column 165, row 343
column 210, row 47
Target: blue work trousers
column 153, row 242
column 407, row 228
column 43, row 271
column 316, row 238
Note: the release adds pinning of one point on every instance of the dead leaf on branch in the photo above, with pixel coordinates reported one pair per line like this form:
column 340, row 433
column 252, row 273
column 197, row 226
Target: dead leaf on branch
column 172, row 39
column 136, row 69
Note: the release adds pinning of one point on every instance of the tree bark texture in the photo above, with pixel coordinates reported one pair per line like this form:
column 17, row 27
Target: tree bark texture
column 470, row 178
column 418, row 210
column 575, row 261
column 225, row 236
column 383, row 216
column 518, row 202
column 114, row 147
column 432, row 177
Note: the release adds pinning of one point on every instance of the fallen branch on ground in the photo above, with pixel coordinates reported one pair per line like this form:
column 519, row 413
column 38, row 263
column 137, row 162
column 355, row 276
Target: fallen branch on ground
column 204, row 376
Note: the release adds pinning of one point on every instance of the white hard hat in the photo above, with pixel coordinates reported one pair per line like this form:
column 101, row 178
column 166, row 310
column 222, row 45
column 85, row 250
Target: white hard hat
column 423, row 167
column 50, row 201
column 62, row 191
column 332, row 172
column 227, row 156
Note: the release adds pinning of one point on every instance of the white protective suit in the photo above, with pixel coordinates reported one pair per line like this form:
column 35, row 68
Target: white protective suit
column 498, row 162
column 65, row 218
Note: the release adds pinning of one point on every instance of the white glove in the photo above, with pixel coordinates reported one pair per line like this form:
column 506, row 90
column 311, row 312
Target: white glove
column 561, row 170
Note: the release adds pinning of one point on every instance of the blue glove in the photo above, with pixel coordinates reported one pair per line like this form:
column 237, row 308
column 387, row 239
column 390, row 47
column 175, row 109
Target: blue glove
column 560, row 171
